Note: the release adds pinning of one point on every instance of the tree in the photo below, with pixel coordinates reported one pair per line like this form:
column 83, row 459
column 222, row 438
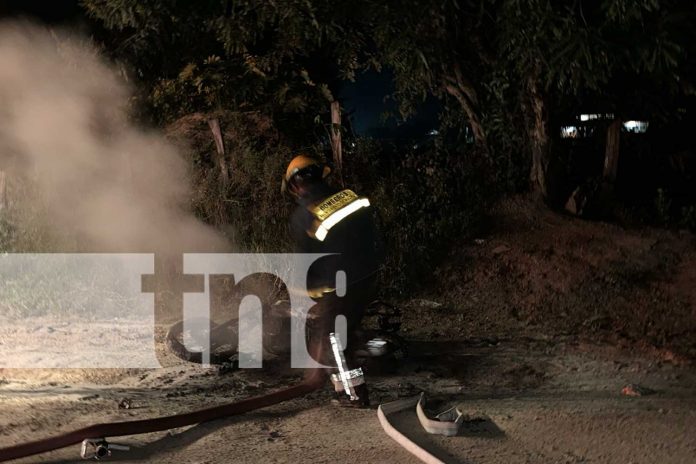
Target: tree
column 240, row 55
column 588, row 49
column 485, row 53
column 431, row 46
column 506, row 67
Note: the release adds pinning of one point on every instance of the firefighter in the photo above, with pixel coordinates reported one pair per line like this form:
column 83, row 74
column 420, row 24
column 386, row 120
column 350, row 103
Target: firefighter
column 338, row 222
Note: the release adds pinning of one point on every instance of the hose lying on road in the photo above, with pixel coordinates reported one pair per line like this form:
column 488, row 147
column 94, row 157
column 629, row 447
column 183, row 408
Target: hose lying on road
column 314, row 380
column 386, row 410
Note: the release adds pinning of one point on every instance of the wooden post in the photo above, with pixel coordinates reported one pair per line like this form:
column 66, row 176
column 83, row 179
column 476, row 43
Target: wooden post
column 336, row 146
column 214, row 125
column 611, row 154
column 3, row 189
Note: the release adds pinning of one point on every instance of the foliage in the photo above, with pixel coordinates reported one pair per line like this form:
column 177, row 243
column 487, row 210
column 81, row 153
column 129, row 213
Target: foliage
column 670, row 213
column 688, row 217
column 508, row 66
column 663, row 205
column 504, row 68
column 248, row 206
column 24, row 227
column 426, row 199
column 507, row 72
column 241, row 55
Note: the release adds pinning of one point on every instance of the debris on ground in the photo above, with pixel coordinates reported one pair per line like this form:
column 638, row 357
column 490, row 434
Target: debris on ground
column 228, row 367
column 125, row 403
column 636, row 390
column 407, row 389
column 500, row 249
column 422, row 303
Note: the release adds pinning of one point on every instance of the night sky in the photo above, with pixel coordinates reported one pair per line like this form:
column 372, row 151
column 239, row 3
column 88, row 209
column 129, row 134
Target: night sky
column 366, row 100
column 49, row 11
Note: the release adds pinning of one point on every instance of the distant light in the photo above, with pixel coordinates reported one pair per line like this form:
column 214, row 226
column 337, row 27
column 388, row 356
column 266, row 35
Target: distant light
column 433, row 132
column 593, row 116
column 636, row 127
column 569, row 132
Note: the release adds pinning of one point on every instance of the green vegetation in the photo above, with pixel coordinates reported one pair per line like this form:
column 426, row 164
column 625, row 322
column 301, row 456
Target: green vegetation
column 508, row 74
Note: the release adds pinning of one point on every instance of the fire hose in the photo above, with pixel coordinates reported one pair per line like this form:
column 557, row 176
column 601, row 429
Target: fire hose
column 386, row 410
column 446, row 423
column 94, row 435
column 314, row 379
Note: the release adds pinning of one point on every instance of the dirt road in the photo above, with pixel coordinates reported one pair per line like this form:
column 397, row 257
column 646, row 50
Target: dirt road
column 554, row 400
column 534, row 330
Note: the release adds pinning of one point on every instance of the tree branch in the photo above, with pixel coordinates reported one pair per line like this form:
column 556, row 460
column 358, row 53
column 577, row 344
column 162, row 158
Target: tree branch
column 471, row 113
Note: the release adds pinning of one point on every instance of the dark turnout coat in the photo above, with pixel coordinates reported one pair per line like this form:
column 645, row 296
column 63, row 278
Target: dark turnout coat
column 353, row 241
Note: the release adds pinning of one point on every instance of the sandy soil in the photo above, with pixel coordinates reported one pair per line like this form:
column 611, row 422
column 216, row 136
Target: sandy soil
column 538, row 272
column 554, row 400
column 533, row 330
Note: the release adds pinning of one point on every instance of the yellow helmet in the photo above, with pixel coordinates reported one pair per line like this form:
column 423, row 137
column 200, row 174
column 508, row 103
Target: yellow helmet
column 299, row 163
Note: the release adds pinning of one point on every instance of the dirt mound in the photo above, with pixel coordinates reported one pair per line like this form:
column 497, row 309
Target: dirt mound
column 541, row 272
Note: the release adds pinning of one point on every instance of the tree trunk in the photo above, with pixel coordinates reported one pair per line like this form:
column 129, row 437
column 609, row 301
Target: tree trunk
column 336, row 143
column 458, row 86
column 471, row 115
column 221, row 160
column 539, row 137
column 611, row 153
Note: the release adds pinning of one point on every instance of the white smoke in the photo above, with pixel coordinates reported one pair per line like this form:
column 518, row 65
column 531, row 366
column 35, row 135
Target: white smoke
column 64, row 126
